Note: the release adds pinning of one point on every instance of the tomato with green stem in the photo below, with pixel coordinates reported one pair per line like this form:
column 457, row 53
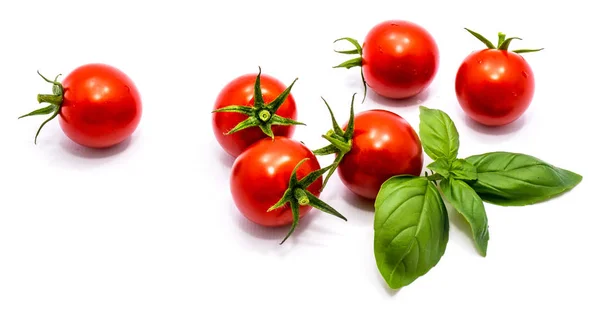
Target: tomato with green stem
column 372, row 147
column 250, row 108
column 275, row 182
column 98, row 105
column 495, row 86
column 398, row 60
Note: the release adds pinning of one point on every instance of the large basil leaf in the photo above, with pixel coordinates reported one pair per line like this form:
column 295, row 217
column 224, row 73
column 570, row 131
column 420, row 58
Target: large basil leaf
column 438, row 133
column 411, row 229
column 466, row 201
column 515, row 179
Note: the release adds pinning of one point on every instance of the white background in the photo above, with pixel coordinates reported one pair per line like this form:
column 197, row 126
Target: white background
column 150, row 225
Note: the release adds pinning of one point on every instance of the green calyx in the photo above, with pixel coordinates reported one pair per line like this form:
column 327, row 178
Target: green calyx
column 354, row 62
column 264, row 115
column 297, row 195
column 340, row 141
column 503, row 42
column 54, row 100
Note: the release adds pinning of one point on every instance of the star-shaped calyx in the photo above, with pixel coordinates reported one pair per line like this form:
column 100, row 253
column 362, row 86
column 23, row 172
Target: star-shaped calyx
column 354, row 62
column 264, row 115
column 54, row 100
column 297, row 195
column 340, row 140
column 503, row 42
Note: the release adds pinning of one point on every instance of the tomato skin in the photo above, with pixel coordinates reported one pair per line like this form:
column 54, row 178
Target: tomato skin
column 400, row 59
column 101, row 106
column 260, row 175
column 494, row 87
column 240, row 91
column 383, row 145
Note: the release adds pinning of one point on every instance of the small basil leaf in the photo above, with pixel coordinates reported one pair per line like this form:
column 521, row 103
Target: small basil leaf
column 411, row 229
column 463, row 170
column 466, row 201
column 438, row 134
column 440, row 166
column 515, row 179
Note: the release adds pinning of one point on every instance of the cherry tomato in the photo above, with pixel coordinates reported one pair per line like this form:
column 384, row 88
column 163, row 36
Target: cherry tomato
column 239, row 119
column 275, row 182
column 495, row 86
column 399, row 59
column 383, row 145
column 261, row 174
column 97, row 104
column 372, row 147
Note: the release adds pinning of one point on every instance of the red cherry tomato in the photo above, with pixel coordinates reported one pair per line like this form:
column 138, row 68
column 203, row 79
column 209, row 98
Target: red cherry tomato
column 383, row 145
column 236, row 103
column 399, row 59
column 495, row 86
column 372, row 147
column 98, row 105
column 276, row 181
column 260, row 176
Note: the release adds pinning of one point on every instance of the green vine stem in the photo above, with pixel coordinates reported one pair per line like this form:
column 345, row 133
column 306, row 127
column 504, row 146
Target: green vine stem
column 264, row 115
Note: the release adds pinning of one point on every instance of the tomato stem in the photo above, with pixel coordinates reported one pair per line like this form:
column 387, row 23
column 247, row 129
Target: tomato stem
column 501, row 38
column 301, row 197
column 503, row 42
column 340, row 141
column 355, row 62
column 342, row 145
column 263, row 115
column 296, row 195
column 55, row 100
column 50, row 98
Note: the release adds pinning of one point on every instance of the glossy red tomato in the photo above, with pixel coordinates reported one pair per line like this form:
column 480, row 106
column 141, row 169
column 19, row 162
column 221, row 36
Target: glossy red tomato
column 400, row 59
column 240, row 92
column 383, row 145
column 261, row 174
column 98, row 105
column 102, row 106
column 495, row 86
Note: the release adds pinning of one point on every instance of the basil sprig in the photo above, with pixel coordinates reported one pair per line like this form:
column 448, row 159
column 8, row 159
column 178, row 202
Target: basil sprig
column 411, row 220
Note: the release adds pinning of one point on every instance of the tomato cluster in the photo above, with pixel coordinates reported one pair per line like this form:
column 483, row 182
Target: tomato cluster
column 275, row 179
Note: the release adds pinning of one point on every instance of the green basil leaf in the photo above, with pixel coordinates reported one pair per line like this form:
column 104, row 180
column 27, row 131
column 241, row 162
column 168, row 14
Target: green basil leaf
column 515, row 179
column 391, row 186
column 411, row 229
column 463, row 170
column 438, row 134
column 466, row 201
column 440, row 166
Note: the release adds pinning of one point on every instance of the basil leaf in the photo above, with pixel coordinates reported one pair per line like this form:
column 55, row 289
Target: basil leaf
column 466, row 201
column 411, row 229
column 391, row 186
column 440, row 166
column 461, row 169
column 438, row 134
column 515, row 179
